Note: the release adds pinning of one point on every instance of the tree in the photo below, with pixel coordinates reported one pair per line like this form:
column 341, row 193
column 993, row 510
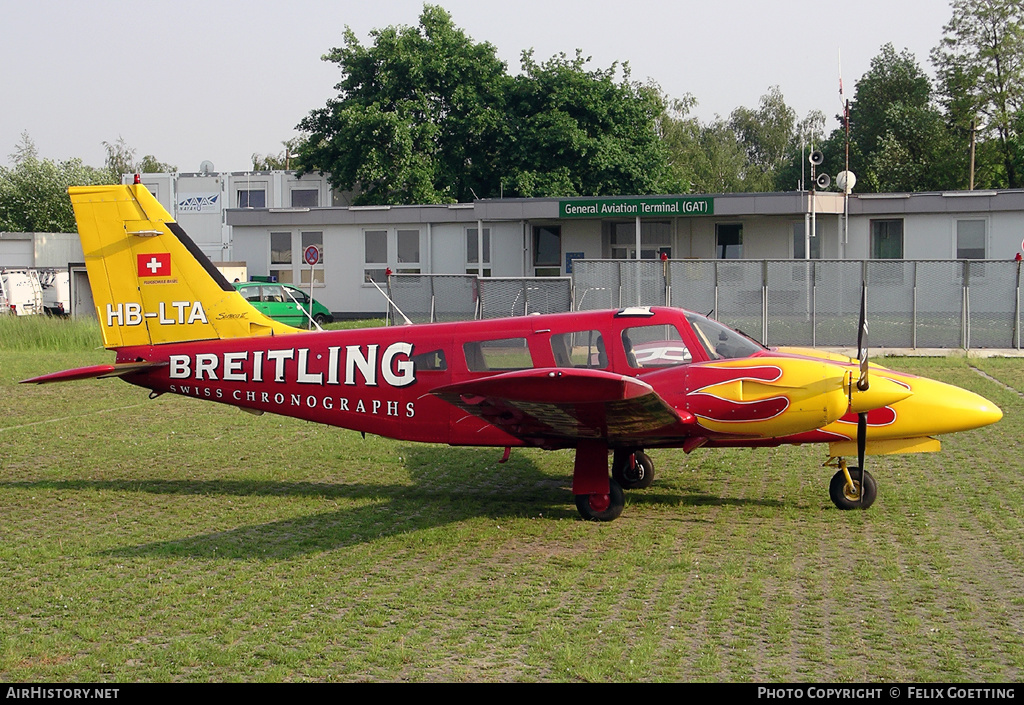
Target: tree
column 426, row 115
column 579, row 132
column 980, row 67
column 277, row 162
column 680, row 134
column 808, row 136
column 34, row 194
column 898, row 138
column 121, row 160
column 766, row 135
column 418, row 119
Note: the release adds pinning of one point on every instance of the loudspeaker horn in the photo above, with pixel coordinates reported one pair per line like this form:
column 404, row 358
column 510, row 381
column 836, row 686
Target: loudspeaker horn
column 816, row 157
column 823, row 181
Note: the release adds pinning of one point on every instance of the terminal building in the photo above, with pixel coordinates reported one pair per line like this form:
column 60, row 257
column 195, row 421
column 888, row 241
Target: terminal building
column 265, row 221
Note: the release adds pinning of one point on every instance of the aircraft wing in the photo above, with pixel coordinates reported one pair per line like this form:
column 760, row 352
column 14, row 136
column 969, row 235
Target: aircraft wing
column 565, row 404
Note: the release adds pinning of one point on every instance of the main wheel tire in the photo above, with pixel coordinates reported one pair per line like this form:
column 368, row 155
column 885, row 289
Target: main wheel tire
column 846, row 497
column 602, row 507
column 633, row 471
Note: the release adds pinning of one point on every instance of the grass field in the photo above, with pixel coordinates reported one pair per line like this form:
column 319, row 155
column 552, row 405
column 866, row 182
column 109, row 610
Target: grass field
column 176, row 540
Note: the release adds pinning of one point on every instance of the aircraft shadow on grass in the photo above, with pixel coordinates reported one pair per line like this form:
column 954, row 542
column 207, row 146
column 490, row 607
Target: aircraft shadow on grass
column 468, row 488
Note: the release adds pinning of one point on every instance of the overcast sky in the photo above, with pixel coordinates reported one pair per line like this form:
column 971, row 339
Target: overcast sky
column 217, row 80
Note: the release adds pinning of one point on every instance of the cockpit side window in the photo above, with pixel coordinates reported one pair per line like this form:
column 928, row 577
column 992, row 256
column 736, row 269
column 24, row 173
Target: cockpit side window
column 584, row 348
column 654, row 346
column 719, row 341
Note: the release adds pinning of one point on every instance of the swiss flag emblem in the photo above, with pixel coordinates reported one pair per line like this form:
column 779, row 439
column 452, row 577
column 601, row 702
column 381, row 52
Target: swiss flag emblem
column 155, row 265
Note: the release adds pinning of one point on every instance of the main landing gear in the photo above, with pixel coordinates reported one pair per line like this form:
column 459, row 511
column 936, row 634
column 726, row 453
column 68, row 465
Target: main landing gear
column 598, row 497
column 852, row 487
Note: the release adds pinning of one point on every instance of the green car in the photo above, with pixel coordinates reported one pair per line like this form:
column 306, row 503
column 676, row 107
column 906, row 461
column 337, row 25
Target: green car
column 278, row 301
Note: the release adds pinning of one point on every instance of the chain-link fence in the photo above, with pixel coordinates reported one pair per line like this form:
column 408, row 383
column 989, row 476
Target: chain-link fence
column 911, row 303
column 432, row 298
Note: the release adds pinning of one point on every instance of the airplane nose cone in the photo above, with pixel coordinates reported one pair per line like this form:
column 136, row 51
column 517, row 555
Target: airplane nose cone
column 977, row 410
column 942, row 408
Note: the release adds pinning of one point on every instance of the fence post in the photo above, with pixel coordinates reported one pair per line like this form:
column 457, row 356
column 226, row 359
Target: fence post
column 913, row 311
column 965, row 330
column 1016, row 309
column 812, row 272
column 764, row 301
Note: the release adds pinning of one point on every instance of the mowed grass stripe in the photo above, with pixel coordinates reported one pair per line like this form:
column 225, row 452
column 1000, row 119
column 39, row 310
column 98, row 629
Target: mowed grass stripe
column 185, row 541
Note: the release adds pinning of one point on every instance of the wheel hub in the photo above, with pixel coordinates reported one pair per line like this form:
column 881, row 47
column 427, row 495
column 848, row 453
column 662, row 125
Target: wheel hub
column 852, row 491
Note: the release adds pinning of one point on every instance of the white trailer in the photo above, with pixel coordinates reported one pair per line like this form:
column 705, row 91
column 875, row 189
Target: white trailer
column 56, row 285
column 23, row 291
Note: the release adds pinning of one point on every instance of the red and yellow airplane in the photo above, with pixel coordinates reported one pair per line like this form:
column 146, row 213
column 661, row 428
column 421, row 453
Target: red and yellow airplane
column 601, row 382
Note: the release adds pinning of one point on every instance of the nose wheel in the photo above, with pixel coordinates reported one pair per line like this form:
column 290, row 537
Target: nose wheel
column 852, row 488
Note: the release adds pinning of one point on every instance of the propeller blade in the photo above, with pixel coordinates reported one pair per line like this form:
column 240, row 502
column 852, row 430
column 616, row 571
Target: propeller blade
column 862, row 340
column 862, row 441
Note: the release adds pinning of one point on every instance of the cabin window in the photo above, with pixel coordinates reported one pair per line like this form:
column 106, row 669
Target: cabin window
column 654, row 346
column 583, row 348
column 501, row 354
column 433, row 361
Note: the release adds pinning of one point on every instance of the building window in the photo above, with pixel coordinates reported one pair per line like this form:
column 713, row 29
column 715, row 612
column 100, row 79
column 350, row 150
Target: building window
column 970, row 239
column 281, row 257
column 799, row 241
column 655, row 239
column 473, row 261
column 398, row 251
column 886, row 239
column 252, row 198
column 408, row 252
column 312, row 238
column 305, row 198
column 547, row 251
column 729, row 240
column 375, row 255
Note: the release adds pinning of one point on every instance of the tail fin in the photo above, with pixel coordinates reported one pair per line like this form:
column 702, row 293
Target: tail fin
column 150, row 282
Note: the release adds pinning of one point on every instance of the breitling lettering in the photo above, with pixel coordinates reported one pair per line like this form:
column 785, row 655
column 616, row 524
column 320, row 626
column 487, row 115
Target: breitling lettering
column 350, row 365
column 178, row 313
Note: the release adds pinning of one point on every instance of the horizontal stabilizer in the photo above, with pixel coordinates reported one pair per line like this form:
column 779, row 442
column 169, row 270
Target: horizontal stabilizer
column 93, row 372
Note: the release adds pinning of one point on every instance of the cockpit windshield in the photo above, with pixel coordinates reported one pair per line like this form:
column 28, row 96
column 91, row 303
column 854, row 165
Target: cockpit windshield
column 721, row 342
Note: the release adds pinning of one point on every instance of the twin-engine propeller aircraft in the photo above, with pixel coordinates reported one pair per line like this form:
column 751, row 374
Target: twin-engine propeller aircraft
column 601, row 382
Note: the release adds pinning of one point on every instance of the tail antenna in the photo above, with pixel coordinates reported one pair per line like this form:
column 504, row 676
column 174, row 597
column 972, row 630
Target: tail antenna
column 404, row 317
